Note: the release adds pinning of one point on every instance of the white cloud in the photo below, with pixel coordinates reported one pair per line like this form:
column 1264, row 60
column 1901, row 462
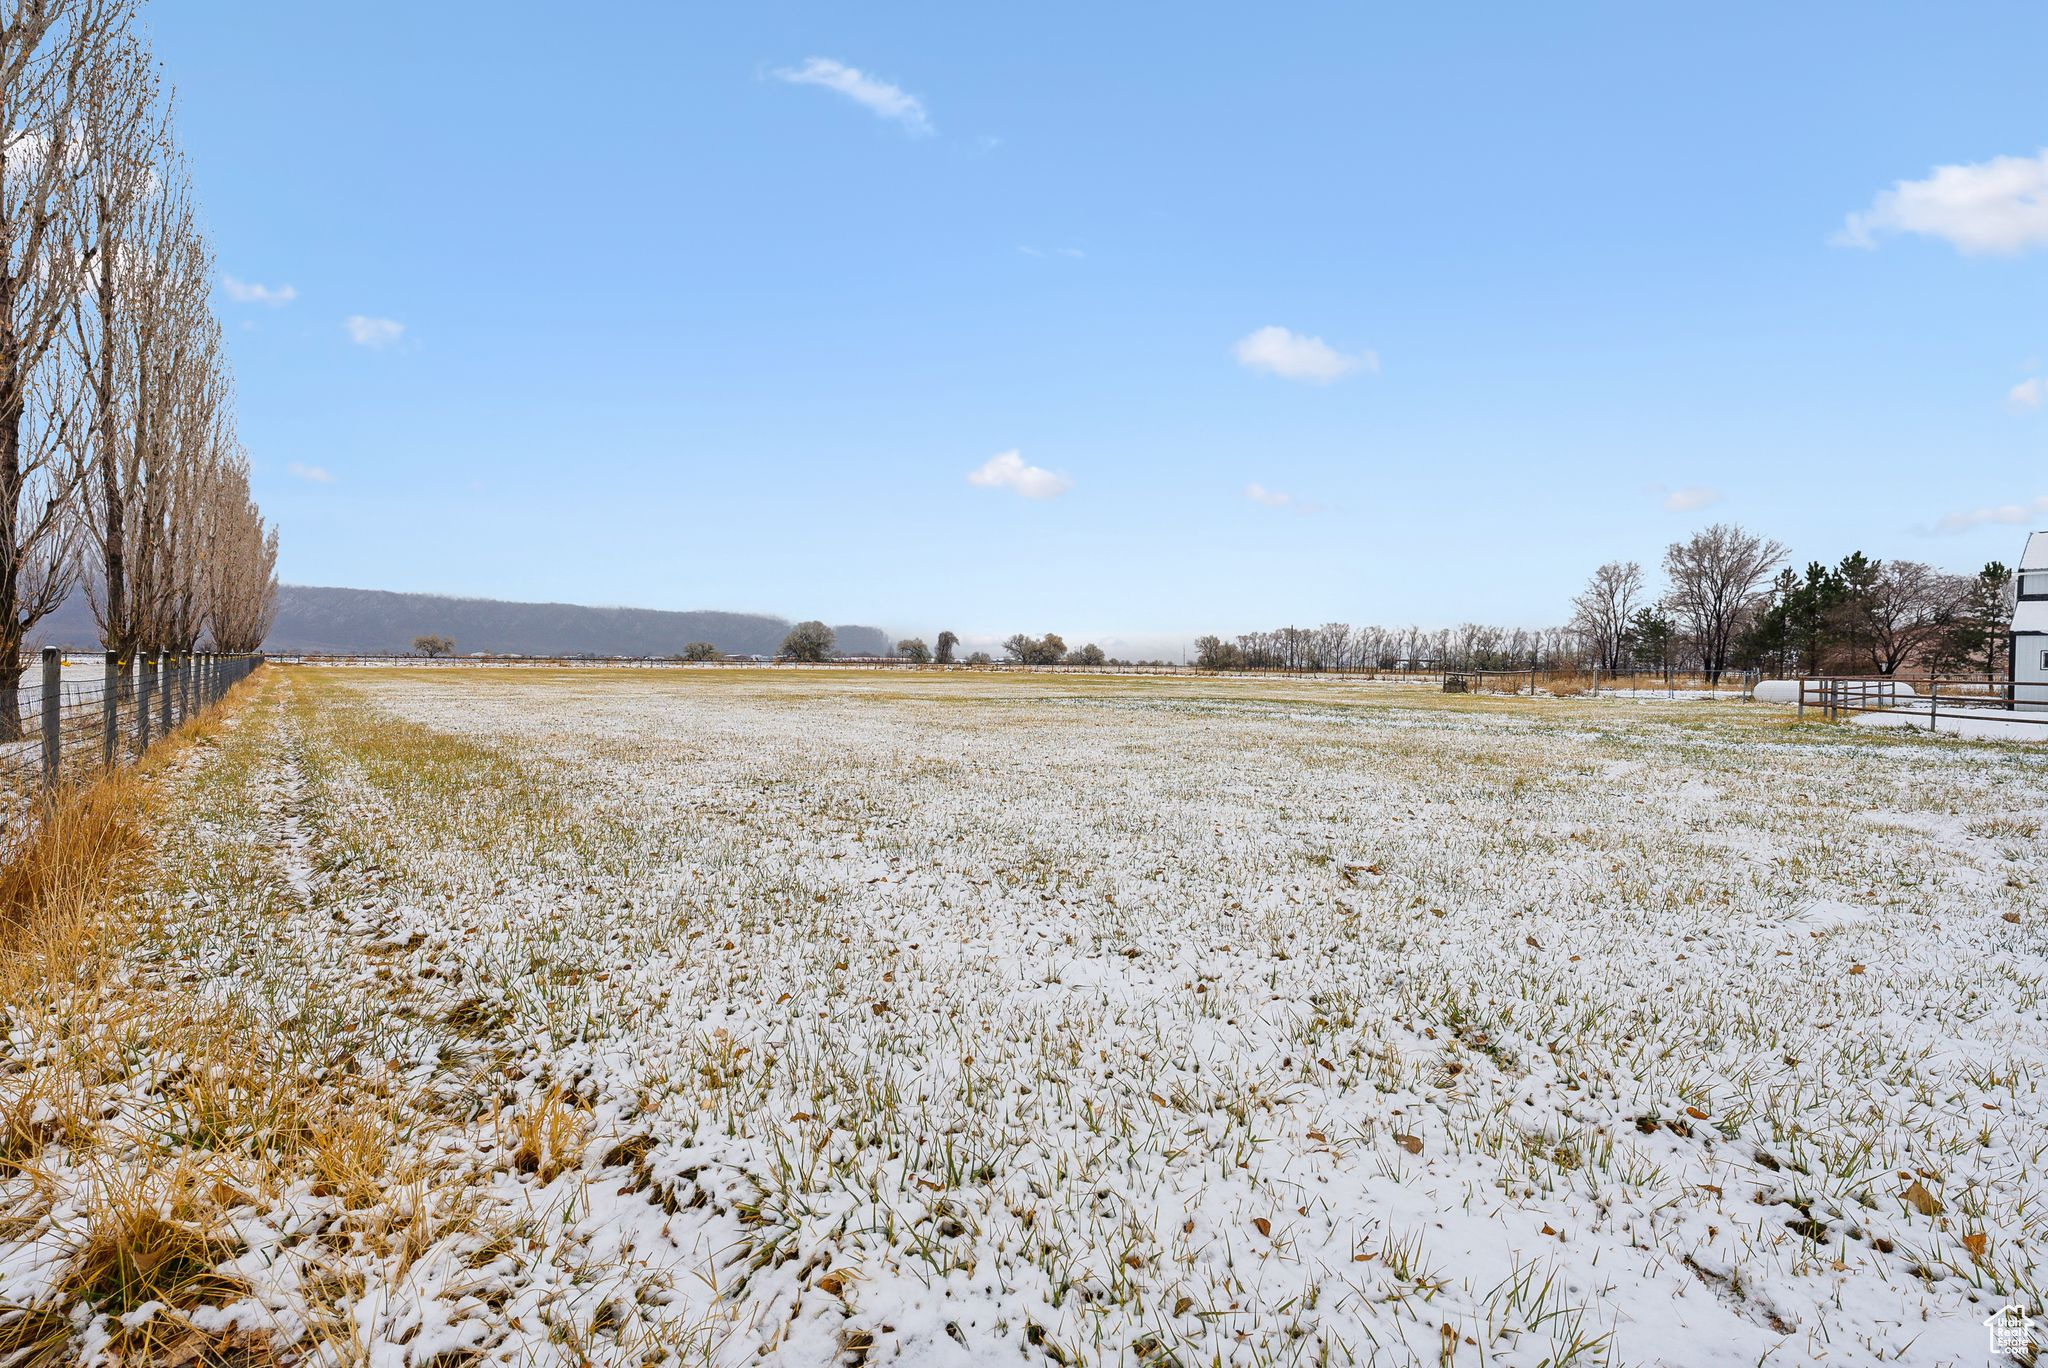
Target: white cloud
column 1279, row 352
column 2006, row 515
column 1274, row 498
column 1691, row 499
column 249, row 292
column 2027, row 394
column 365, row 331
column 1008, row 471
column 1999, row 205
column 311, row 474
column 878, row 97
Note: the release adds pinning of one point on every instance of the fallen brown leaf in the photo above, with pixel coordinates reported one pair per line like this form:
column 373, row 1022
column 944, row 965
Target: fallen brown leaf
column 1921, row 1200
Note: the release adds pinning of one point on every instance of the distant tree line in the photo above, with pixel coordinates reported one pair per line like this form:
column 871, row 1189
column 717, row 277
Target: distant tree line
column 1023, row 649
column 1728, row 601
column 812, row 642
column 1340, row 646
column 1883, row 616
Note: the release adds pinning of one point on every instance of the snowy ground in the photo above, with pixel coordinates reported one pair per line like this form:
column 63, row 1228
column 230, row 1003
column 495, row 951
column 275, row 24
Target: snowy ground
column 1977, row 724
column 836, row 1018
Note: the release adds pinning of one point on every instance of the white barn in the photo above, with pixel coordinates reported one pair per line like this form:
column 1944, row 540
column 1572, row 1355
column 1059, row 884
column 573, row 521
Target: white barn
column 2029, row 640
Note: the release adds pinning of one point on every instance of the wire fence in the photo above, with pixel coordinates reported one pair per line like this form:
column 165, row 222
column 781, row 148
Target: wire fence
column 733, row 662
column 1928, row 699
column 1575, row 680
column 71, row 717
column 1550, row 677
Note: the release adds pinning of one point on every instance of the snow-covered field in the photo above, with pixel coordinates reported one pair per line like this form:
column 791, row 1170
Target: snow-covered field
column 744, row 1017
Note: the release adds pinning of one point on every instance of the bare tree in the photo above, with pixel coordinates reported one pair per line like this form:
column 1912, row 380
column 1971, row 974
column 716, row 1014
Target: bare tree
column 179, row 411
column 1603, row 611
column 433, row 647
column 1717, row 576
column 198, row 450
column 1214, row 653
column 1023, row 649
column 700, row 651
column 943, row 655
column 1330, row 646
column 1908, row 606
column 810, row 642
column 915, row 649
column 240, row 564
column 48, row 53
column 126, row 151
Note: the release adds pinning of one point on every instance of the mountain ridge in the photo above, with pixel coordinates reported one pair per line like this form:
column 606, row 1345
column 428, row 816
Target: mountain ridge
column 383, row 621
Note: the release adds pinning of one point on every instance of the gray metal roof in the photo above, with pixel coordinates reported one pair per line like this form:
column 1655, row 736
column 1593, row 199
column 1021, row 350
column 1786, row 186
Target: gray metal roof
column 2035, row 557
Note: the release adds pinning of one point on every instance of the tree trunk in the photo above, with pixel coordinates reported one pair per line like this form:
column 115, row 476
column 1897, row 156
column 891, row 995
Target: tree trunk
column 12, row 403
column 10, row 701
column 119, row 635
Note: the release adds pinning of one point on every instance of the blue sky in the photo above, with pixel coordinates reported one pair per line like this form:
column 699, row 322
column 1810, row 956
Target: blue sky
column 1290, row 314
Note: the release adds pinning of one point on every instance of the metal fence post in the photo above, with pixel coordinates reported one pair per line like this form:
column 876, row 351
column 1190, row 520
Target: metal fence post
column 145, row 669
column 53, row 714
column 163, row 692
column 110, row 703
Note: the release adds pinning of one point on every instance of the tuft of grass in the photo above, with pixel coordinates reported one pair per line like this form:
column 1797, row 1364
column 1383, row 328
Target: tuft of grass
column 548, row 1135
column 153, row 1237
column 350, row 1156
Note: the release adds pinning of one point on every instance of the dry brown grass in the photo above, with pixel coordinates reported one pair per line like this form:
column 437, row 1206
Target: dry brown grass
column 80, row 863
column 148, row 1230
column 350, row 1157
column 67, row 874
column 1565, row 685
column 547, row 1136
